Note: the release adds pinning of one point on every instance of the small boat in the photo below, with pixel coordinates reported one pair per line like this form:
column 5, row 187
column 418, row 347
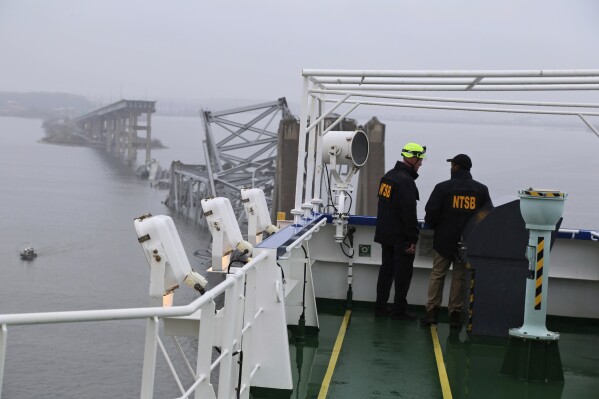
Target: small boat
column 28, row 254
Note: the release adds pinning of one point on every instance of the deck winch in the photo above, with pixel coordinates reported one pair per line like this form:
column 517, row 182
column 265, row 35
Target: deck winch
column 532, row 352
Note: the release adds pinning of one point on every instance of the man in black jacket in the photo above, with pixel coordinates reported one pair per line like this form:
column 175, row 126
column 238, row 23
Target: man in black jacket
column 397, row 231
column 451, row 204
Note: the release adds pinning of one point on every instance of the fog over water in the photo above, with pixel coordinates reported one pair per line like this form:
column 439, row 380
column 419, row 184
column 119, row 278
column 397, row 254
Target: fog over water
column 76, row 205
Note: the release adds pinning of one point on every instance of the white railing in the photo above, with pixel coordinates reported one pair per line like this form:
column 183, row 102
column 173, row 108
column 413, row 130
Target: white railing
column 238, row 317
column 342, row 91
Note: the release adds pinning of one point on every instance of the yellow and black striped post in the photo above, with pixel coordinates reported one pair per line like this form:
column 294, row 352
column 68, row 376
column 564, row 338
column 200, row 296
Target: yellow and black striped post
column 541, row 210
column 471, row 305
column 533, row 352
column 539, row 274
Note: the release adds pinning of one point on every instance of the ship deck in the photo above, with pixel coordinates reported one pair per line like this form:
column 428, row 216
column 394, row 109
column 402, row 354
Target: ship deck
column 355, row 355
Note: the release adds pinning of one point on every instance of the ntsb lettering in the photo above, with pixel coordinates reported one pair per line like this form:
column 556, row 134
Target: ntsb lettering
column 464, row 202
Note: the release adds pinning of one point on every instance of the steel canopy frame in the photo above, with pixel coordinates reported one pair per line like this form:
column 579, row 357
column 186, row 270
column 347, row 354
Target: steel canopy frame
column 381, row 88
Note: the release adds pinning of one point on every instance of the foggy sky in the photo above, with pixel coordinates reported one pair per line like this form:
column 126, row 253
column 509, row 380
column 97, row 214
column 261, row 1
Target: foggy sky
column 184, row 49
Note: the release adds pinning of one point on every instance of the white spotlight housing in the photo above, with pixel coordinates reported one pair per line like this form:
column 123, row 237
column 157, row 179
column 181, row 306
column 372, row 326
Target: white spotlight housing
column 345, row 148
column 257, row 213
column 166, row 256
column 226, row 235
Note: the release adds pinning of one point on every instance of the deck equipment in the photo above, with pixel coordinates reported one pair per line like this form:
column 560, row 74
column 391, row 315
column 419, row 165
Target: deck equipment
column 532, row 352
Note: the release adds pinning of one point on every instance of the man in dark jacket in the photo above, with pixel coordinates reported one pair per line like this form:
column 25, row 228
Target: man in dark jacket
column 451, row 204
column 397, row 231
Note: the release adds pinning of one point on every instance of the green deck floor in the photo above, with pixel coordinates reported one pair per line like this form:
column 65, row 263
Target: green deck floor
column 383, row 358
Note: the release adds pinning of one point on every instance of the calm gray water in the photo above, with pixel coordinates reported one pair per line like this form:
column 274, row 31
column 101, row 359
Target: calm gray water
column 76, row 207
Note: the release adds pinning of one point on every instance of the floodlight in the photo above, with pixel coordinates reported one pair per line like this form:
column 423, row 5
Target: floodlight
column 226, row 235
column 166, row 256
column 345, row 148
column 257, row 213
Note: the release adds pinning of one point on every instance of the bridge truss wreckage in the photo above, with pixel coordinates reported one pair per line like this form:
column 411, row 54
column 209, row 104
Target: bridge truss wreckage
column 240, row 148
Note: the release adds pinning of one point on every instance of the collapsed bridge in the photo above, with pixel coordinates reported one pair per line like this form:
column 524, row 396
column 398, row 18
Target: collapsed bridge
column 116, row 125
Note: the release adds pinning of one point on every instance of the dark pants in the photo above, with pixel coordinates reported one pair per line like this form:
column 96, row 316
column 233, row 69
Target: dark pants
column 397, row 267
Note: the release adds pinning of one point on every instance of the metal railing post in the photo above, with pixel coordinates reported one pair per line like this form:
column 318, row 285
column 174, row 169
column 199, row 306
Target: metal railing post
column 3, row 333
column 225, row 373
column 149, row 366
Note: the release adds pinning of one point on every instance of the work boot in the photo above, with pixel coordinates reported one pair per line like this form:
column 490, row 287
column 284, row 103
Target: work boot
column 455, row 319
column 430, row 317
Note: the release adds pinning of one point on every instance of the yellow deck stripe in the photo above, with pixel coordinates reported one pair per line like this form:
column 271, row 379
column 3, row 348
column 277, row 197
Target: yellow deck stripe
column 441, row 365
column 324, row 388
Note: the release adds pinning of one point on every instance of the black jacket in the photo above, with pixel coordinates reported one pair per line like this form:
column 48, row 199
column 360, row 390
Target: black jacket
column 397, row 223
column 449, row 208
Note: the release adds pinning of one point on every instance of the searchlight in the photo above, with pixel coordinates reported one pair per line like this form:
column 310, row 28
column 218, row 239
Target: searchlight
column 166, row 257
column 226, row 235
column 256, row 210
column 349, row 148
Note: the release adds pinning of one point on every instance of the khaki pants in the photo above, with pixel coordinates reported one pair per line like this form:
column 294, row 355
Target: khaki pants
column 435, row 287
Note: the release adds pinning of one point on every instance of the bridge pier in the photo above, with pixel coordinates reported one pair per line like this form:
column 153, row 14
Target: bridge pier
column 115, row 126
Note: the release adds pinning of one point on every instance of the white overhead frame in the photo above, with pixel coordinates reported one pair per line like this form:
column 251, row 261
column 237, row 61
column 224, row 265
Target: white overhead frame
column 381, row 88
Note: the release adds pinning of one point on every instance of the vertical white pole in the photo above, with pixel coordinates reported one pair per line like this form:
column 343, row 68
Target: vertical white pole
column 248, row 338
column 318, row 172
column 3, row 333
column 301, row 150
column 225, row 382
column 149, row 366
column 311, row 149
column 205, row 343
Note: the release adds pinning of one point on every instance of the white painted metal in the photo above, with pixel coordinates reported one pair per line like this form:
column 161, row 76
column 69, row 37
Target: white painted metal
column 455, row 108
column 589, row 124
column 315, row 73
column 3, row 334
column 301, row 153
column 310, row 154
column 529, row 87
column 358, row 87
column 257, row 213
column 316, row 197
column 306, row 236
column 270, row 330
column 149, row 365
column 205, row 339
column 170, row 364
column 269, row 356
column 347, row 94
column 258, row 303
column 299, row 290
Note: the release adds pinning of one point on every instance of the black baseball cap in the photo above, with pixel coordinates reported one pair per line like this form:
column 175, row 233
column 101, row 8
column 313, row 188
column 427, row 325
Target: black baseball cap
column 462, row 160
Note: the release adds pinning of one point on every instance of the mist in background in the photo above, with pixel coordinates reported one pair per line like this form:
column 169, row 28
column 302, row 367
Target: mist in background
column 191, row 54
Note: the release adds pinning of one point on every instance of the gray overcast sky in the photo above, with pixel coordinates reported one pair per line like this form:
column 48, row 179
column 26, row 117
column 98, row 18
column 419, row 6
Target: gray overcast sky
column 256, row 49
